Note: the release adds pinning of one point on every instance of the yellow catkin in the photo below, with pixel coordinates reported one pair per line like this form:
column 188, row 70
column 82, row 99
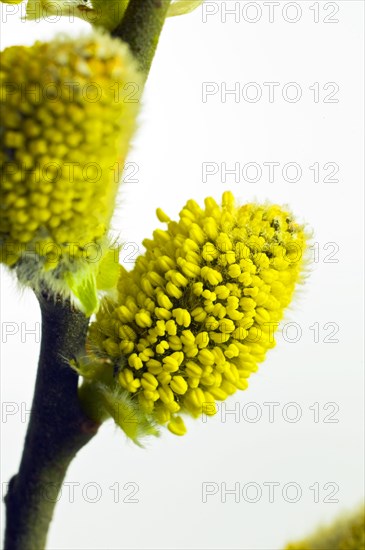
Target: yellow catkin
column 346, row 533
column 68, row 109
column 206, row 321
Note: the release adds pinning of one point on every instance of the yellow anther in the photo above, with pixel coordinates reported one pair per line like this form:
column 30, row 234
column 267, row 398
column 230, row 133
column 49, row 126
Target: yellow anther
column 278, row 289
column 197, row 234
column 173, row 290
column 178, row 279
column 226, row 325
column 209, row 406
column 219, row 311
column 206, row 357
column 242, row 384
column 231, row 374
column 160, row 327
column 126, row 347
column 247, row 304
column 111, row 347
column 164, row 301
column 228, row 387
column 162, row 313
column 252, row 292
column 211, row 275
column 126, row 333
column 230, row 257
column 135, row 361
column 126, row 375
column 170, row 364
column 199, row 315
column 208, row 379
column 234, row 314
column 177, row 426
column 146, row 354
column 164, row 378
column 127, row 380
column 198, row 289
column 218, row 393
column 175, row 343
column 178, row 385
column 209, row 252
column 219, row 337
column 173, row 407
column 222, row 292
column 209, row 295
column 162, row 347
column 189, row 269
column 234, row 271
column 269, row 275
column 196, row 397
column 231, row 351
column 191, row 352
column 280, row 263
column 190, row 246
column 155, row 278
column 210, row 228
column 187, row 338
column 152, row 395
column 164, row 218
column 154, row 366
column 193, row 381
column 182, row 317
column 210, row 205
column 194, row 207
column 143, row 319
column 202, row 339
column 165, row 263
column 211, row 323
column 233, row 302
column 228, row 200
column 186, row 213
column 224, row 243
column 171, row 327
column 193, row 369
column 147, row 286
column 149, row 381
column 240, row 333
column 166, row 394
column 124, row 314
column 262, row 315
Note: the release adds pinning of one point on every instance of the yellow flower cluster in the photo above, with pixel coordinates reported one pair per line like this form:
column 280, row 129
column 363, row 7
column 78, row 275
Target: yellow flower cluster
column 347, row 533
column 198, row 311
column 68, row 109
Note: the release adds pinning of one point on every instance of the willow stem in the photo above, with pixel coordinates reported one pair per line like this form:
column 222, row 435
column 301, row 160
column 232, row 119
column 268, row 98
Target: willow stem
column 57, row 430
column 141, row 27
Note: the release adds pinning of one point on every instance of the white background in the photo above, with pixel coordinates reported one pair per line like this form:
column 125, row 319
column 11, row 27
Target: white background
column 178, row 132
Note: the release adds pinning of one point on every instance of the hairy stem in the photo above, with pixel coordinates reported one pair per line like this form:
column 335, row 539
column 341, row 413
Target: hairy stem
column 58, row 429
column 141, row 27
